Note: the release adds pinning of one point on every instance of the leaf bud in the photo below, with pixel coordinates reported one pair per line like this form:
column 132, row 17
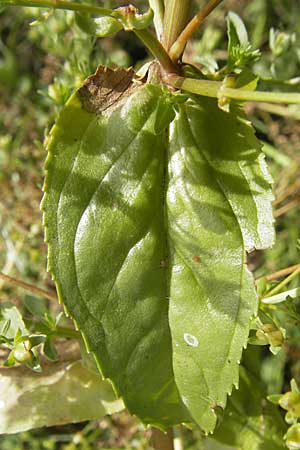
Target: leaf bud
column 290, row 401
column 22, row 352
column 270, row 334
column 292, row 437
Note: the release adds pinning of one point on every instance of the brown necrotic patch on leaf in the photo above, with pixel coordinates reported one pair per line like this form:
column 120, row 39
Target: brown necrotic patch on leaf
column 106, row 88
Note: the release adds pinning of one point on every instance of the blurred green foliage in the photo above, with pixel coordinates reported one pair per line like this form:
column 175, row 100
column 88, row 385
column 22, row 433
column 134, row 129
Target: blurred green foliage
column 44, row 56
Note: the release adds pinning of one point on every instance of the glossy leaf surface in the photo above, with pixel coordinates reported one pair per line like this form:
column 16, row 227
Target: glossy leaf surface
column 105, row 228
column 147, row 231
column 212, row 294
column 219, row 205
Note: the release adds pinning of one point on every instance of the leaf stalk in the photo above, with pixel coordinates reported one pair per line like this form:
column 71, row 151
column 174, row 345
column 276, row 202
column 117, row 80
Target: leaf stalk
column 157, row 50
column 217, row 89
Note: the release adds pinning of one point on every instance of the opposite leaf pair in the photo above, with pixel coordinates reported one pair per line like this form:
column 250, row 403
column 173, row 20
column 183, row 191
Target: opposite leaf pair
column 150, row 207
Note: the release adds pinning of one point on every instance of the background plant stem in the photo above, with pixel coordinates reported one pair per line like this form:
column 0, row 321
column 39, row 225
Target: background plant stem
column 178, row 46
column 145, row 35
column 28, row 287
column 158, row 9
column 176, row 17
column 278, row 288
column 60, row 4
column 162, row 441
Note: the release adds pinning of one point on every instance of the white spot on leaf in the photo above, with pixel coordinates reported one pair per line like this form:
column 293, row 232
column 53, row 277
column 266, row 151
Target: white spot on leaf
column 191, row 340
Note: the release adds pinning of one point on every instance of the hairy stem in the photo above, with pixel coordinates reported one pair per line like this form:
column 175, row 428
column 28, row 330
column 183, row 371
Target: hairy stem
column 59, row 4
column 28, row 287
column 176, row 17
column 217, row 89
column 162, row 441
column 178, row 46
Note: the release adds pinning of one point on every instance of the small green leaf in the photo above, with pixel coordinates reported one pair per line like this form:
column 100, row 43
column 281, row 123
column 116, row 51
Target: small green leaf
column 35, row 340
column 36, row 306
column 22, row 353
column 34, row 362
column 292, row 437
column 19, row 336
column 132, row 19
column 294, row 386
column 240, row 52
column 63, row 393
column 247, row 80
column 290, row 401
column 270, row 334
column 274, row 398
column 11, row 320
column 99, row 26
column 237, row 33
column 10, row 360
column 5, row 326
column 282, row 297
column 49, row 350
column 280, row 42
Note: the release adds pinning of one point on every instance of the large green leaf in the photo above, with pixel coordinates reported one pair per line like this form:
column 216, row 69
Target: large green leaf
column 212, row 295
column 62, row 393
column 105, row 228
column 218, row 207
column 147, row 235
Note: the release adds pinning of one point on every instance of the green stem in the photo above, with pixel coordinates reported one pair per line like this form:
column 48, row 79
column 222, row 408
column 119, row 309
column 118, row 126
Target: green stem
column 202, row 87
column 158, row 9
column 156, row 49
column 59, row 4
column 217, row 89
column 176, row 17
column 260, row 96
column 279, row 110
column 282, row 284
